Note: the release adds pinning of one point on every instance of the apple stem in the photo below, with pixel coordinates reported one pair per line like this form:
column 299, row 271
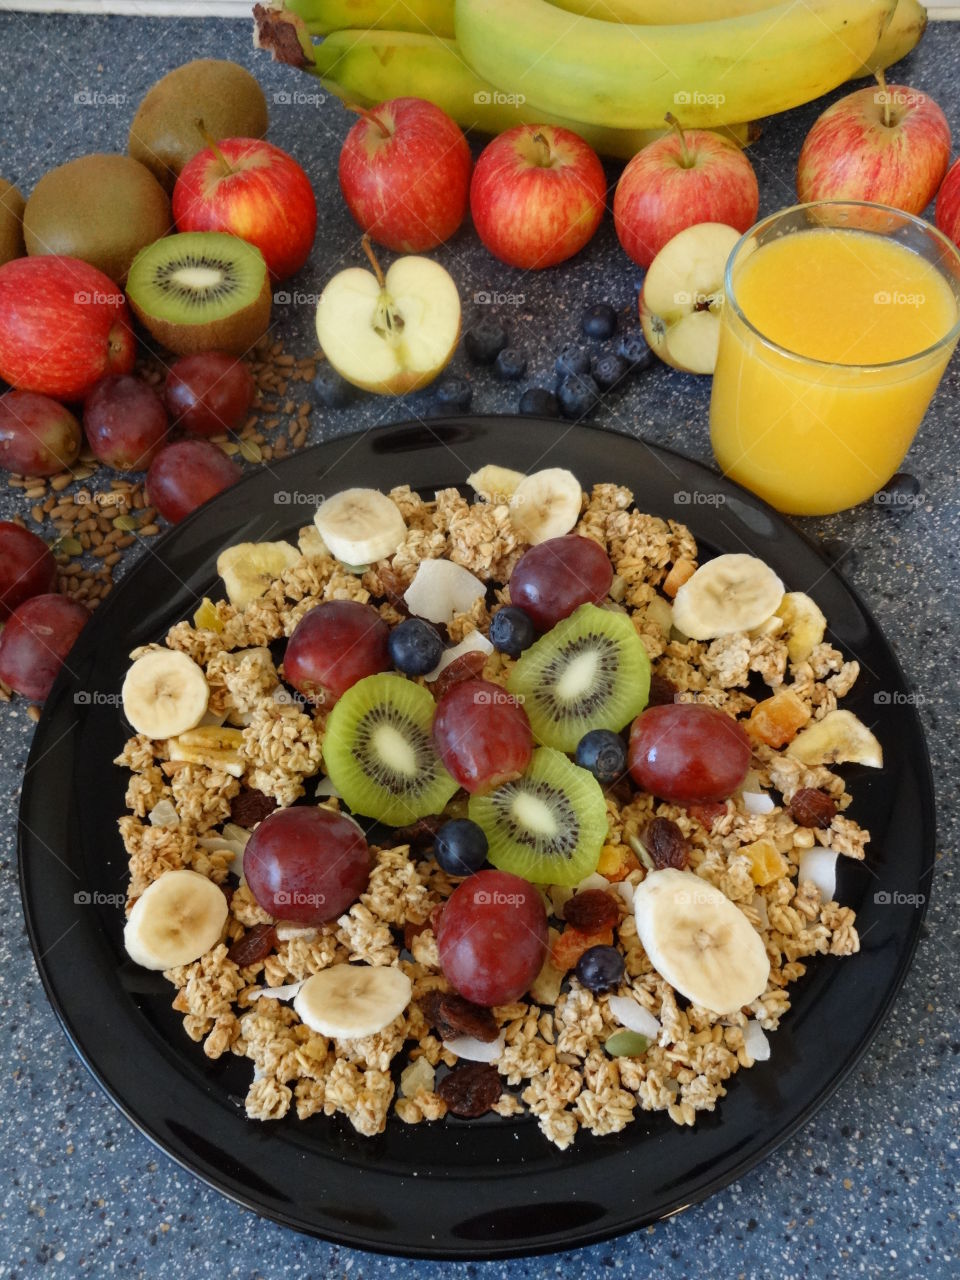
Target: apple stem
column 686, row 160
column 211, row 142
column 885, row 96
column 543, row 146
column 372, row 257
column 369, row 116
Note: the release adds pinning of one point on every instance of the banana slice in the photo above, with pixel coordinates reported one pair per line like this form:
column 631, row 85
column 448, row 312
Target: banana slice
column 164, row 693
column 496, row 484
column 347, row 1001
column 839, row 738
column 804, row 622
column 216, row 746
column 727, row 594
column 360, row 526
column 248, row 568
column 176, row 919
column 699, row 941
column 546, row 504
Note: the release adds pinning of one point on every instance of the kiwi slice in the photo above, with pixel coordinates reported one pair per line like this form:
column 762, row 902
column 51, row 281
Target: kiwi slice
column 590, row 671
column 548, row 826
column 201, row 291
column 378, row 751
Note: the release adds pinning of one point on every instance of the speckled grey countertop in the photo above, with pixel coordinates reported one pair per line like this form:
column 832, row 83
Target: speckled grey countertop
column 870, row 1186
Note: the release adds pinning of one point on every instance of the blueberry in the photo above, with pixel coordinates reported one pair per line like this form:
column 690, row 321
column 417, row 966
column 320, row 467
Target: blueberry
column 633, row 348
column 577, row 396
column 485, row 340
column 599, row 321
column 415, row 647
column 510, row 364
column 573, row 360
column 608, row 370
column 600, row 968
column 512, row 630
column 604, row 753
column 453, row 393
column 900, row 493
column 331, row 390
column 460, row 847
column 538, row 402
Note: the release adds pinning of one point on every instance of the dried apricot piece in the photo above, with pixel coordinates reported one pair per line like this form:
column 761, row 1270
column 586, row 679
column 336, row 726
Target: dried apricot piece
column 776, row 720
column 767, row 863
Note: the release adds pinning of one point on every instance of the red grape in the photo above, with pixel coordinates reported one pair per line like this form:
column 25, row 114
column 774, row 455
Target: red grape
column 186, row 474
column 688, row 753
column 482, row 735
column 35, row 640
column 306, row 864
column 125, row 422
column 492, row 937
column 209, row 393
column 38, row 436
column 333, row 646
column 557, row 576
column 26, row 567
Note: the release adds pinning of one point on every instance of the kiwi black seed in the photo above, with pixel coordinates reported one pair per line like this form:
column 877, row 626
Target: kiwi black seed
column 201, row 291
column 547, row 826
column 378, row 751
column 590, row 671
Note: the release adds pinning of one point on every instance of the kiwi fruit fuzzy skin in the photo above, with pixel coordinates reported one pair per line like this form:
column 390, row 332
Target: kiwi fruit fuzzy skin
column 11, row 223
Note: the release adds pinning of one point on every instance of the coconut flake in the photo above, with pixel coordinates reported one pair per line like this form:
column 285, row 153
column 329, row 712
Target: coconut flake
column 757, row 802
column 820, row 866
column 632, row 1015
column 287, row 929
column 755, row 1041
column 164, row 814
column 325, row 788
column 233, row 840
column 593, row 881
column 760, row 906
column 277, row 993
column 416, row 1076
column 474, row 642
column 625, row 890
column 472, row 1050
column 441, row 589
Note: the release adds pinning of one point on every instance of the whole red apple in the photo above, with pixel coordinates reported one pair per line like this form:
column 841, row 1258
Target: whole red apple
column 63, row 325
column 890, row 146
column 253, row 190
column 537, row 195
column 678, row 181
column 27, row 567
column 405, row 174
column 948, row 204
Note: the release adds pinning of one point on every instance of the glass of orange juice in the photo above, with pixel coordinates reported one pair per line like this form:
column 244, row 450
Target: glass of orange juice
column 837, row 324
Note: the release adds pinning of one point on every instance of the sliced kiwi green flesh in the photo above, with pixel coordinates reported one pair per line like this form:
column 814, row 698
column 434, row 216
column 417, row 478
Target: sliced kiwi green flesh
column 547, row 826
column 590, row 671
column 378, row 751
column 196, row 277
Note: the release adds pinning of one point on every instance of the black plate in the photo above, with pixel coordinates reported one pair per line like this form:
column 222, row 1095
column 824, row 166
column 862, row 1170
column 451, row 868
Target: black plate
column 457, row 1189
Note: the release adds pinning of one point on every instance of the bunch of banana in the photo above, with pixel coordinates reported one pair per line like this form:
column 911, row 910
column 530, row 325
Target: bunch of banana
column 628, row 74
column 368, row 67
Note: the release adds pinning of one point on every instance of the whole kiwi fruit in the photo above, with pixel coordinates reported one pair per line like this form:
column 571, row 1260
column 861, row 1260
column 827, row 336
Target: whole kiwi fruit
column 164, row 133
column 11, row 222
column 100, row 208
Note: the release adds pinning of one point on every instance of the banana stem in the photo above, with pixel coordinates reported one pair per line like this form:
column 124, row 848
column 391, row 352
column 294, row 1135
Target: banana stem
column 686, row 160
column 882, row 82
column 370, row 117
column 211, row 142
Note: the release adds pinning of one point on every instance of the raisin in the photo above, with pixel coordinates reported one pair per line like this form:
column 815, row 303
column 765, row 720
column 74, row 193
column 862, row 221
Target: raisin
column 393, row 589
column 247, row 808
column 662, row 691
column 707, row 814
column 471, row 1090
column 419, row 834
column 468, row 666
column 591, row 910
column 812, row 808
column 665, row 843
column 255, row 945
column 412, row 931
column 452, row 1016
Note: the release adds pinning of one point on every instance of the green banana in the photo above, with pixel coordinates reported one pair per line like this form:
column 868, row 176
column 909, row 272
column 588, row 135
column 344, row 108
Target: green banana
column 628, row 75
column 903, row 33
column 368, row 67
column 434, row 17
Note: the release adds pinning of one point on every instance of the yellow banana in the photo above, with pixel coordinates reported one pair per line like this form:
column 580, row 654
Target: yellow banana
column 662, row 12
column 368, row 67
column 626, row 75
column 323, row 16
column 903, row 33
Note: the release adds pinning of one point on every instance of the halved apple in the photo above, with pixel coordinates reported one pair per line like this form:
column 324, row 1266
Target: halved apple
column 682, row 296
column 390, row 333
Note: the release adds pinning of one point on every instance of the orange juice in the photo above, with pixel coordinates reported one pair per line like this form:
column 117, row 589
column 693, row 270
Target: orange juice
column 831, row 347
